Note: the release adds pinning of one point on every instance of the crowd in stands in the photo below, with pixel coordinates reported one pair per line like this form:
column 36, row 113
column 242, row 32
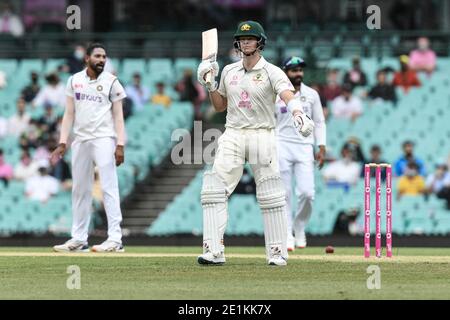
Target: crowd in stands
column 342, row 103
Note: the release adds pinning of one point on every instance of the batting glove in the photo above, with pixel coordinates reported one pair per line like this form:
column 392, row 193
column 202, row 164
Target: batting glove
column 205, row 67
column 303, row 123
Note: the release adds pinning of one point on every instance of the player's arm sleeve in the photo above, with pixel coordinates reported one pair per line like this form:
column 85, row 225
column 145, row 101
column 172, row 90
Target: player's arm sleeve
column 320, row 127
column 119, row 122
column 117, row 92
column 69, row 87
column 279, row 80
column 222, row 90
column 68, row 118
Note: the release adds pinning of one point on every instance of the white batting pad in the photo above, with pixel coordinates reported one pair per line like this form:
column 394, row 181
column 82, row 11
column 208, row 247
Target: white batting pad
column 215, row 215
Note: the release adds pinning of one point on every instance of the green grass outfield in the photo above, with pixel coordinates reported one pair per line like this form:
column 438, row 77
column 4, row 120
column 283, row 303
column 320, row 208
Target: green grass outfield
column 173, row 273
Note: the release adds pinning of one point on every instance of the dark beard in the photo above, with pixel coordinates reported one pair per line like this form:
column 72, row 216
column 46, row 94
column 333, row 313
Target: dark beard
column 297, row 81
column 95, row 68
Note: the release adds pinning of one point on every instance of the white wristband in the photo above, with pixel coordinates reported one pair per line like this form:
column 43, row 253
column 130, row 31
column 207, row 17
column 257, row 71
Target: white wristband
column 294, row 104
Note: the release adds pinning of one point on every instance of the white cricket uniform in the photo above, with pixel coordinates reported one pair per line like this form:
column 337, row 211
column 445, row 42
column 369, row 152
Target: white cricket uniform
column 94, row 144
column 296, row 154
column 249, row 135
column 250, row 122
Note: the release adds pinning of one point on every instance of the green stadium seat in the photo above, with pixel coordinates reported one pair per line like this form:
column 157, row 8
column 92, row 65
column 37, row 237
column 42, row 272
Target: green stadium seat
column 8, row 66
column 181, row 64
column 51, row 65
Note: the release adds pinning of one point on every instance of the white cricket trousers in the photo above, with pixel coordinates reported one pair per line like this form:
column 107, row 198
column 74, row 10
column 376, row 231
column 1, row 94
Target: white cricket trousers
column 297, row 161
column 85, row 156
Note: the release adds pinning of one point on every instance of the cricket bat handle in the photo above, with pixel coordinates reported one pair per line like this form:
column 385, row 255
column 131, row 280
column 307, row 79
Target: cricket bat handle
column 208, row 78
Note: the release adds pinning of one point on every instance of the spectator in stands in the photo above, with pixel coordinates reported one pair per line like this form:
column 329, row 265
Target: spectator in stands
column 30, row 91
column 160, row 97
column 75, row 63
column 438, row 183
column 355, row 76
column 347, row 106
column 26, row 168
column 32, row 136
column 19, row 122
column 408, row 155
column 423, row 58
column 49, row 120
column 411, row 183
column 332, row 89
column 354, row 145
column 375, row 157
column 41, row 187
column 53, row 93
column 343, row 172
column 138, row 93
column 405, row 78
column 192, row 91
column 43, row 150
column 383, row 90
column 6, row 170
column 9, row 22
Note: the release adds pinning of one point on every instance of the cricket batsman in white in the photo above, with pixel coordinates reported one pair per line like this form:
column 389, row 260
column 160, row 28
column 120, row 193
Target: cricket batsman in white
column 94, row 109
column 248, row 89
column 296, row 152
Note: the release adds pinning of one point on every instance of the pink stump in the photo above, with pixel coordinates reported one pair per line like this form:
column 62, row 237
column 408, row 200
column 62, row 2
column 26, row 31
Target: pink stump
column 378, row 212
column 367, row 211
column 389, row 211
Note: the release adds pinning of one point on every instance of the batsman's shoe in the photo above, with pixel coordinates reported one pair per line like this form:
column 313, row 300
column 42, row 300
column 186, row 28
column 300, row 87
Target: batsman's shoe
column 277, row 261
column 72, row 246
column 210, row 258
column 108, row 246
column 300, row 240
column 275, row 256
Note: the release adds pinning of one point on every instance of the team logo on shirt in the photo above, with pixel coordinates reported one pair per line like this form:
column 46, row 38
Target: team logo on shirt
column 245, row 101
column 258, row 77
column 99, row 88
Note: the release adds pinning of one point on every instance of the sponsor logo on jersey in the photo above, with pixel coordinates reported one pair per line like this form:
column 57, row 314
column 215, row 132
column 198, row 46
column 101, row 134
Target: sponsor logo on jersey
column 245, row 101
column 78, row 85
column 87, row 97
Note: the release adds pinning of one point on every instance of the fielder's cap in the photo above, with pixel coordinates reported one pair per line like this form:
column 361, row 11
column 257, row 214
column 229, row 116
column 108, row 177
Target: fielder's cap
column 293, row 62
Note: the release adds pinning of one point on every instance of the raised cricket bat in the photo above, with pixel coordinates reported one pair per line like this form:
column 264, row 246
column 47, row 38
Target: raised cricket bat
column 209, row 48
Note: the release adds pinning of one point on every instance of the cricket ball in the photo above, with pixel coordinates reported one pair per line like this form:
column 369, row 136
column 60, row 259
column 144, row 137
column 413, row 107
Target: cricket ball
column 329, row 249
